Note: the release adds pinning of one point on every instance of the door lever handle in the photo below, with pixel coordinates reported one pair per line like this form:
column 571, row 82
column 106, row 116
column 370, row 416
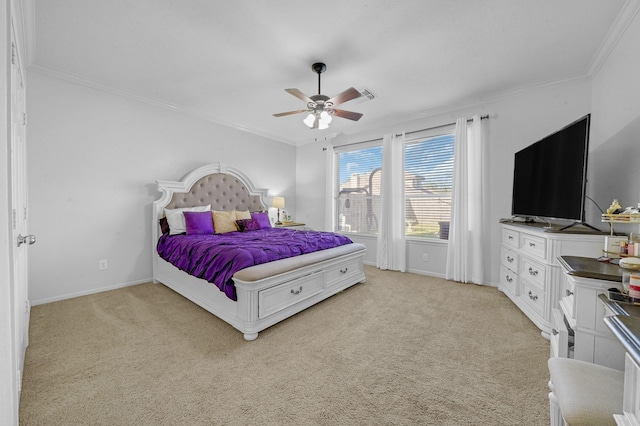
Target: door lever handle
column 27, row 239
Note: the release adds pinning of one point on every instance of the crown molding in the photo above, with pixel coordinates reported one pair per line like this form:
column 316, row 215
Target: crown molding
column 28, row 15
column 623, row 20
column 482, row 101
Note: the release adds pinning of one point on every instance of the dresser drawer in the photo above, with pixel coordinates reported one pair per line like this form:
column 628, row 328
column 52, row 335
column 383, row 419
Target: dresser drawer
column 567, row 286
column 533, row 296
column 510, row 238
column 559, row 339
column 280, row 297
column 510, row 259
column 533, row 272
column 534, row 245
column 509, row 280
column 342, row 272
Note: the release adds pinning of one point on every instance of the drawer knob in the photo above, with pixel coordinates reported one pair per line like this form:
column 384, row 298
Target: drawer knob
column 509, row 279
column 510, row 237
column 532, row 271
column 509, row 259
column 532, row 296
column 554, row 331
column 296, row 291
column 532, row 244
column 568, row 292
column 344, row 271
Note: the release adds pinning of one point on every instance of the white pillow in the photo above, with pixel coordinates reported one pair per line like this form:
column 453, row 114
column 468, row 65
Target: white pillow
column 175, row 218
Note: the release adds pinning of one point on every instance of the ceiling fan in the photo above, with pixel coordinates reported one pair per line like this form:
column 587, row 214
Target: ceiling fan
column 321, row 107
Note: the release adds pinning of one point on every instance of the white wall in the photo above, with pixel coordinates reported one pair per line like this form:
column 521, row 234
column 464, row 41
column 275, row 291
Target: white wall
column 515, row 122
column 615, row 157
column 94, row 158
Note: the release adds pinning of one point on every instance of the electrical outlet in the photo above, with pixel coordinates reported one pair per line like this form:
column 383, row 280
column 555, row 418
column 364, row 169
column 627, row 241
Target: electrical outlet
column 425, row 257
column 103, row 264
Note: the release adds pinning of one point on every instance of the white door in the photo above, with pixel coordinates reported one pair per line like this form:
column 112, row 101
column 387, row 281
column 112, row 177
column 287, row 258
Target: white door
column 21, row 237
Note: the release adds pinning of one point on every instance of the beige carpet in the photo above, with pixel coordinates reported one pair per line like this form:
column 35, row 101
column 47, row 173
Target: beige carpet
column 400, row 349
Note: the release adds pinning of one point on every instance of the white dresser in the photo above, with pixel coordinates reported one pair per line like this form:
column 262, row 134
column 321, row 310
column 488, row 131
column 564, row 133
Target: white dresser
column 530, row 274
column 581, row 311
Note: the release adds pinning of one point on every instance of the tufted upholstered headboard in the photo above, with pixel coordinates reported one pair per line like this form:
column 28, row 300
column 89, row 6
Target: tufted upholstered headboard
column 223, row 191
column 224, row 187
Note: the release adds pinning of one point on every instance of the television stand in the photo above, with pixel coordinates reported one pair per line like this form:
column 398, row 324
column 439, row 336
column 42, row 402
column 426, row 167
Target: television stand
column 547, row 226
column 579, row 223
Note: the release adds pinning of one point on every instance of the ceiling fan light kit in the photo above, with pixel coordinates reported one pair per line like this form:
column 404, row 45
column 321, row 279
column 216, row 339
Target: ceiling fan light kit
column 321, row 107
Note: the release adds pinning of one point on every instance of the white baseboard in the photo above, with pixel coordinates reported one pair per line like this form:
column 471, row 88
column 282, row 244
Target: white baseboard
column 87, row 292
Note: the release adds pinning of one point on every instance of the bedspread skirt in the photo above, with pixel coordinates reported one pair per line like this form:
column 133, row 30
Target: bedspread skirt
column 217, row 257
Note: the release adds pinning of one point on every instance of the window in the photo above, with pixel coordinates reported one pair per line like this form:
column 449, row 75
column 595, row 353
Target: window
column 428, row 179
column 358, row 202
column 428, row 173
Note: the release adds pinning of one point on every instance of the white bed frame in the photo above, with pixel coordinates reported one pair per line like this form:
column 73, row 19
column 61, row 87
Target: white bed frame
column 267, row 293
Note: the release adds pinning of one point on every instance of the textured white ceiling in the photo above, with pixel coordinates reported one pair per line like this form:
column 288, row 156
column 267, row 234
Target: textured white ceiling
column 230, row 61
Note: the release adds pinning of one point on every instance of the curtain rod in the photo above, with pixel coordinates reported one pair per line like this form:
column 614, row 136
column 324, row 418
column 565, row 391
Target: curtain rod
column 483, row 117
column 469, row 120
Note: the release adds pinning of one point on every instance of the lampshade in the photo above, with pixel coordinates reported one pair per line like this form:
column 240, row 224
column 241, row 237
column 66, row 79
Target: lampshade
column 309, row 120
column 324, row 118
column 278, row 202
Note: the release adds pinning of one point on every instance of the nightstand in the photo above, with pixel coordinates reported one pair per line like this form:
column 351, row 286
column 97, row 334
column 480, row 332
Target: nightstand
column 289, row 225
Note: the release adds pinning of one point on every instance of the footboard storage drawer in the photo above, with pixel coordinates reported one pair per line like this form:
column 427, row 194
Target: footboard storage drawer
column 343, row 272
column 280, row 297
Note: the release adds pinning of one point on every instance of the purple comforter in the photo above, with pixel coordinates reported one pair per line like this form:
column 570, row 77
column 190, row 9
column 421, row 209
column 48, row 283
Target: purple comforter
column 216, row 258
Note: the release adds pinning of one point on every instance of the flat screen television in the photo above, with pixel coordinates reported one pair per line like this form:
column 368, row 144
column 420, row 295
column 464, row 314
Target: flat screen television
column 550, row 175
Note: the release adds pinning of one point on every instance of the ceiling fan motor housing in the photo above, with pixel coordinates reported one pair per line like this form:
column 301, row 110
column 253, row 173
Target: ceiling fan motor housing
column 319, row 67
column 319, row 102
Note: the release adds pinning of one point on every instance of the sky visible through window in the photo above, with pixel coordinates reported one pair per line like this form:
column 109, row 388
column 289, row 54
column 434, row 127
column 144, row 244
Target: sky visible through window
column 435, row 153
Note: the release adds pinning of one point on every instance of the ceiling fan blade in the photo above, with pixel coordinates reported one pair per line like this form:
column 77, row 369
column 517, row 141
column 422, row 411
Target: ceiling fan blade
column 345, row 96
column 298, row 94
column 355, row 116
column 282, row 114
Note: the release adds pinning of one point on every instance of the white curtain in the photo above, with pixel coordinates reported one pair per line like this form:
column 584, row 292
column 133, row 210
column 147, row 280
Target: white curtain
column 465, row 254
column 391, row 253
column 329, row 189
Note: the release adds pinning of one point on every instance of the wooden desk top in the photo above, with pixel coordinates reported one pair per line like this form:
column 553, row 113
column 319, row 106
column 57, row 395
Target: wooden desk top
column 588, row 267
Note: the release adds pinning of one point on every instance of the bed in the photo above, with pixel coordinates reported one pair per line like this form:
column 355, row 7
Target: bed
column 266, row 293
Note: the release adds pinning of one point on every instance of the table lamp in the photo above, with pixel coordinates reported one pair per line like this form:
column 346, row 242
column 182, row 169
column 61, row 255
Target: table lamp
column 278, row 202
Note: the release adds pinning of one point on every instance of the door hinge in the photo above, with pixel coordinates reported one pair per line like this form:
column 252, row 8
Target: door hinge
column 19, row 380
column 24, row 118
column 13, row 53
column 14, row 218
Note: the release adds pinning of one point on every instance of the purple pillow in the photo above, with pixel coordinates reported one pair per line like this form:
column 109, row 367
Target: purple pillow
column 262, row 218
column 198, row 223
column 164, row 225
column 248, row 225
